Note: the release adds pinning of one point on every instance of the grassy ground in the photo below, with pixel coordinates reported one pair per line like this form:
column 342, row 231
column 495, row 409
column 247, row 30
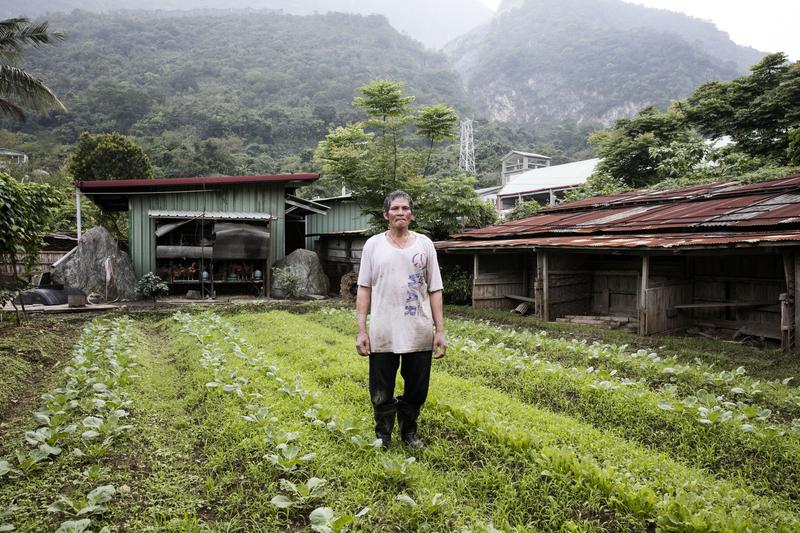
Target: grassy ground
column 509, row 448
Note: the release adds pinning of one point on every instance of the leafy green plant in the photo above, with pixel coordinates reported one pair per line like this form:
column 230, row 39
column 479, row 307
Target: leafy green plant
column 457, row 285
column 90, row 504
column 324, row 520
column 299, row 495
column 288, row 458
column 435, row 505
column 287, row 281
column 151, row 286
column 398, row 471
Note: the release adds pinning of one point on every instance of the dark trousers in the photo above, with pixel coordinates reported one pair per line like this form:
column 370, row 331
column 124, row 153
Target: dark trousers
column 415, row 368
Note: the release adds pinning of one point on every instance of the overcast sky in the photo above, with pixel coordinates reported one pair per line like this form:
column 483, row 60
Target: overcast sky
column 767, row 25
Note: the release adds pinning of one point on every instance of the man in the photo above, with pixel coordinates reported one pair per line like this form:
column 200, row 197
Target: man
column 400, row 285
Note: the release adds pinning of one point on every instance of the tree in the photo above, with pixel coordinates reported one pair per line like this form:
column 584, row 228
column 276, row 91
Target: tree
column 632, row 148
column 108, row 156
column 435, row 123
column 525, row 209
column 18, row 89
column 26, row 210
column 383, row 153
column 757, row 111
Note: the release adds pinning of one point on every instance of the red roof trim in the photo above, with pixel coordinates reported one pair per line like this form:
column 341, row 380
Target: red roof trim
column 183, row 182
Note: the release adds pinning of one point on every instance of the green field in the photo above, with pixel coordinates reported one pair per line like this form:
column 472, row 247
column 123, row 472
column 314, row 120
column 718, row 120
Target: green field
column 259, row 420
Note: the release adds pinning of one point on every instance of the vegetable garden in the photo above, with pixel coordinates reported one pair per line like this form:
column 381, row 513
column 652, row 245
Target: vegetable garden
column 260, row 421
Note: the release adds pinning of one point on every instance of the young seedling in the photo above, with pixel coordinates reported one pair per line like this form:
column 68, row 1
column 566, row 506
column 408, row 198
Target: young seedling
column 434, row 506
column 299, row 496
column 398, row 471
column 6, row 515
column 324, row 520
column 79, row 526
column 84, row 506
column 288, row 458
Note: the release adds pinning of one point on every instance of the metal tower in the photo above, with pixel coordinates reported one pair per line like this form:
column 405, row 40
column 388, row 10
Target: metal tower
column 466, row 160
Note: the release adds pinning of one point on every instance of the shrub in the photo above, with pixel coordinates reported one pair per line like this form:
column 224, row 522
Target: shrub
column 457, row 285
column 151, row 286
column 287, row 282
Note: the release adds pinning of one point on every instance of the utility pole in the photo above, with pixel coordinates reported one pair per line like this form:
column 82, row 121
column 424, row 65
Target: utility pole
column 466, row 160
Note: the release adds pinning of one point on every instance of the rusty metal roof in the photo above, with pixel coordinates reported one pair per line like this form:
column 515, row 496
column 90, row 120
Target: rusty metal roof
column 703, row 208
column 683, row 241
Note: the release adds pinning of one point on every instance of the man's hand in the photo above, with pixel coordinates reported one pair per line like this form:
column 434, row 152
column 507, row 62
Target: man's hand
column 439, row 345
column 362, row 344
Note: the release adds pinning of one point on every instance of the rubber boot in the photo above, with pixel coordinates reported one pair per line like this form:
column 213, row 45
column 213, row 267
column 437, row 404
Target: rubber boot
column 384, row 422
column 407, row 415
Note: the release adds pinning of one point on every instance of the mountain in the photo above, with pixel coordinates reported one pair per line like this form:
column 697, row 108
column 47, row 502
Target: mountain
column 544, row 62
column 223, row 92
column 433, row 23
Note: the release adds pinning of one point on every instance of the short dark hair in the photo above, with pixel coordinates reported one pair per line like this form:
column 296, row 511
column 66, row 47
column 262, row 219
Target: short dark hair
column 394, row 195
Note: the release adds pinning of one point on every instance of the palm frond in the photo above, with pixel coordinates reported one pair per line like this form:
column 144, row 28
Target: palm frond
column 17, row 34
column 8, row 108
column 27, row 91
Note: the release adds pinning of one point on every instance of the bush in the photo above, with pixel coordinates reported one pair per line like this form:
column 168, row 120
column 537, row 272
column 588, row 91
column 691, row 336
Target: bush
column 151, row 286
column 457, row 285
column 287, row 282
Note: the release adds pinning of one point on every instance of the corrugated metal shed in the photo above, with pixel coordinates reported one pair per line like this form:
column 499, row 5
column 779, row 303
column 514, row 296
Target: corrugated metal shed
column 552, row 177
column 261, row 199
column 343, row 216
column 642, row 242
column 701, row 209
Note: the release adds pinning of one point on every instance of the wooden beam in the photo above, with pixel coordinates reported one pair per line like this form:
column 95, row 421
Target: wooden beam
column 643, row 295
column 796, row 294
column 545, row 288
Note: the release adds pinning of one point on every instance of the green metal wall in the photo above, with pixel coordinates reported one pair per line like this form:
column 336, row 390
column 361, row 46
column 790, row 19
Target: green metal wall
column 342, row 216
column 257, row 198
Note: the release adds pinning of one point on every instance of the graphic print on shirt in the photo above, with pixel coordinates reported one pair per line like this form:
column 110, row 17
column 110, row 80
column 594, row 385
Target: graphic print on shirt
column 413, row 294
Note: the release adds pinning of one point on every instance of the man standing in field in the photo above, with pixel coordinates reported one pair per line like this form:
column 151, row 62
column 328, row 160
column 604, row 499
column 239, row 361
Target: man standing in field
column 400, row 285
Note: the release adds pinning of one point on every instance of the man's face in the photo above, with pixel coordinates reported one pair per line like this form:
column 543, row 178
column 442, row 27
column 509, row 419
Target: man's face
column 399, row 214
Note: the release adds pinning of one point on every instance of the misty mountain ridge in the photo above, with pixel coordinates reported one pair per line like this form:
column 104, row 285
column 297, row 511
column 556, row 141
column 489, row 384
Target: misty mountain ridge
column 433, row 23
column 544, row 62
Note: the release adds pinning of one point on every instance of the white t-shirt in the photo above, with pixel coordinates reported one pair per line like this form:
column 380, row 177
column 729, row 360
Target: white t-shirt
column 401, row 281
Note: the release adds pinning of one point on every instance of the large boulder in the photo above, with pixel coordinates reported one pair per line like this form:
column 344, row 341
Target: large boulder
column 98, row 265
column 306, row 265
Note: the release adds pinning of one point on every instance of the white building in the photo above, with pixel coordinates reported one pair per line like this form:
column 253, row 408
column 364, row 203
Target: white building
column 515, row 162
column 544, row 185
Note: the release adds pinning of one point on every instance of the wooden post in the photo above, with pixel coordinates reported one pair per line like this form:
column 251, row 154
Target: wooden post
column 526, row 276
column 475, row 266
column 788, row 305
column 796, row 295
column 545, row 288
column 643, row 295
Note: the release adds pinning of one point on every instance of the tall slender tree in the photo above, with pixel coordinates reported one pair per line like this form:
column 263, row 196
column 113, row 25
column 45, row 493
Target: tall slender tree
column 20, row 90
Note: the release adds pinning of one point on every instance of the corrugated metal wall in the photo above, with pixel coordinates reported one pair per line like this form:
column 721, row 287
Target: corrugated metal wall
column 342, row 216
column 262, row 198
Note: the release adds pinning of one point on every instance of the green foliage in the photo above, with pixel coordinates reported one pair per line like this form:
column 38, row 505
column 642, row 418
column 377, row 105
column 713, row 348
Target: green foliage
column 18, row 88
column 524, row 210
column 287, row 281
column 378, row 156
column 757, row 111
column 457, row 285
column 151, row 286
column 26, row 211
column 108, row 156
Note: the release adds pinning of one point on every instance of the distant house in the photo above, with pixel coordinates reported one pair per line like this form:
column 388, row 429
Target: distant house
column 544, row 185
column 515, row 162
column 7, row 155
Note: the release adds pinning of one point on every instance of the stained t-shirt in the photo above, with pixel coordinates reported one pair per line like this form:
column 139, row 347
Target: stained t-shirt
column 401, row 280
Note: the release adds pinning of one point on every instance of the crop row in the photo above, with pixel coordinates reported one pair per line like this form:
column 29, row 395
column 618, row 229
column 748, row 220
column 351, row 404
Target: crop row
column 531, row 436
column 88, row 414
column 684, row 378
column 298, row 490
column 703, row 430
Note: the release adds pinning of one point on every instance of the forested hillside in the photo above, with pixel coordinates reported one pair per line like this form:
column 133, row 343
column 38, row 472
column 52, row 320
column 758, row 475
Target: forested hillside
column 542, row 62
column 432, row 23
column 223, row 92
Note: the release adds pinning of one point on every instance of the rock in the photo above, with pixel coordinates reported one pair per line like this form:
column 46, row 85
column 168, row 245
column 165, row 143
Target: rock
column 97, row 265
column 193, row 294
column 95, row 298
column 306, row 265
